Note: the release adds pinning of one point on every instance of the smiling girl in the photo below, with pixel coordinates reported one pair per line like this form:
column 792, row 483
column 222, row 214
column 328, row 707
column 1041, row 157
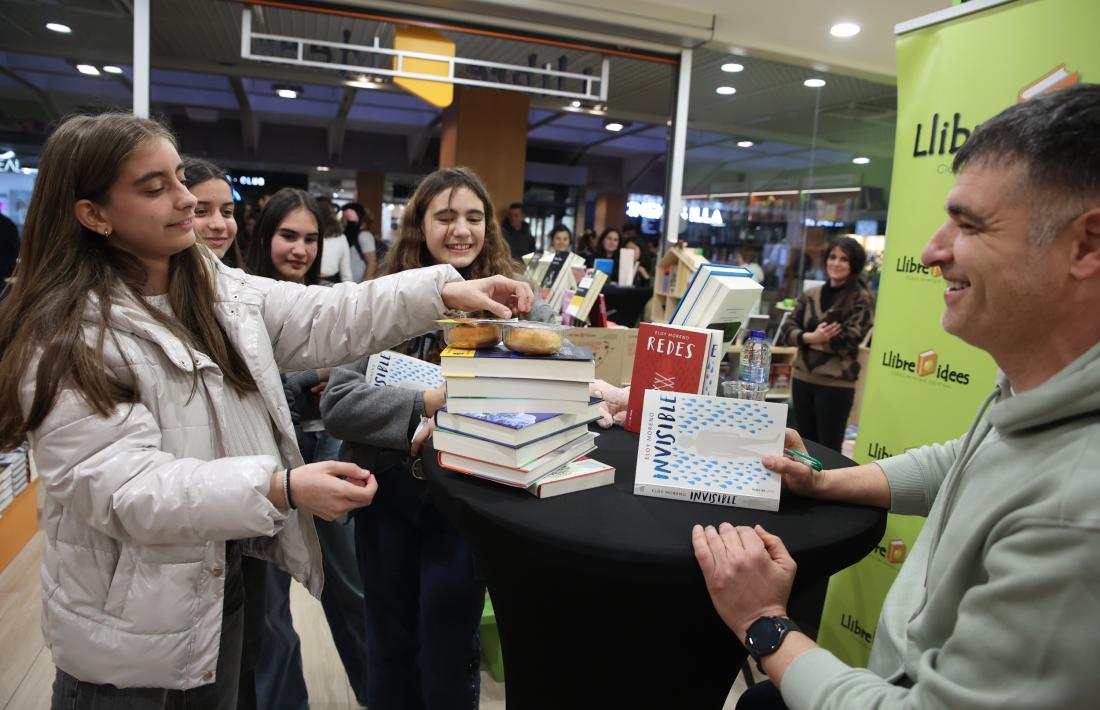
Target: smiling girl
column 423, row 604
column 147, row 380
column 214, row 210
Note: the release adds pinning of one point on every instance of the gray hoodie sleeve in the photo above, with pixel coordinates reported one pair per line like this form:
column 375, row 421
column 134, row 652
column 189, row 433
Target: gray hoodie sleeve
column 915, row 476
column 360, row 413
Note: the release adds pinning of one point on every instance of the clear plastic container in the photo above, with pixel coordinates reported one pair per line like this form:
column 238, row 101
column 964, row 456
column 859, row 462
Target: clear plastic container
column 472, row 333
column 532, row 338
column 755, row 367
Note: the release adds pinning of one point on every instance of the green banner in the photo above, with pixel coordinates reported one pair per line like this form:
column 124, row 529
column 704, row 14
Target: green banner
column 923, row 385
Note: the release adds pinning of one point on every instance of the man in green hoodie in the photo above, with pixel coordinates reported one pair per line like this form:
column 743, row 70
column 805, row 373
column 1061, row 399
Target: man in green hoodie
column 998, row 603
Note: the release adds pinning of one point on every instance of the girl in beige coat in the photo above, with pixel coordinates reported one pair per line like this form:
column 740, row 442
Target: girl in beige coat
column 148, row 385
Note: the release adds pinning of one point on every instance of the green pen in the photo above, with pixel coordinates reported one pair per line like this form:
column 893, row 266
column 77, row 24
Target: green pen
column 806, row 458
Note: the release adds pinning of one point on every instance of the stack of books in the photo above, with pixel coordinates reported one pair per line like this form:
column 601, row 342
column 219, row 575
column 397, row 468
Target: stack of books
column 515, row 419
column 13, row 476
column 718, row 293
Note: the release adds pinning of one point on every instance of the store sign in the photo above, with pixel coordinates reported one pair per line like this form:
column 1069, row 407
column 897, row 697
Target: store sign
column 702, row 215
column 250, row 180
column 645, row 209
column 9, row 163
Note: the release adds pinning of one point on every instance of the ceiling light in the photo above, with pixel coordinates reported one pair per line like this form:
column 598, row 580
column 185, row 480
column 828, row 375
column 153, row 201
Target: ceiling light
column 613, row 126
column 844, row 29
column 576, row 103
column 112, row 69
column 814, row 83
column 861, row 160
column 287, row 93
column 745, row 144
column 322, row 168
column 726, row 90
column 58, row 27
column 87, row 69
column 733, row 67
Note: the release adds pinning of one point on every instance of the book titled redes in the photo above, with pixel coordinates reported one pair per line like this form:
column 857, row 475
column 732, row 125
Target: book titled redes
column 708, row 449
column 676, row 359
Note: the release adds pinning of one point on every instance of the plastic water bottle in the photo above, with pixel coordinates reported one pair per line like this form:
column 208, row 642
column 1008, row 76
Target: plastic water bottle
column 756, row 365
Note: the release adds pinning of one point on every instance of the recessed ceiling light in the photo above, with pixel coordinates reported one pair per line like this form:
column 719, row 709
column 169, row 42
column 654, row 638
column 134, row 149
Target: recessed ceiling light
column 576, row 103
column 87, row 69
column 322, row 168
column 613, row 126
column 112, row 69
column 745, row 144
column 733, row 67
column 814, row 83
column 58, row 27
column 844, row 29
column 861, row 160
column 726, row 90
column 287, row 93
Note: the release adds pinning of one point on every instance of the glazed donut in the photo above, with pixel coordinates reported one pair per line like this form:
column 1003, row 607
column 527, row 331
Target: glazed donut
column 474, row 336
column 532, row 341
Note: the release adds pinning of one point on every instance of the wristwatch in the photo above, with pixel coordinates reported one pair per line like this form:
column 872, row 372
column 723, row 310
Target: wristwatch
column 765, row 636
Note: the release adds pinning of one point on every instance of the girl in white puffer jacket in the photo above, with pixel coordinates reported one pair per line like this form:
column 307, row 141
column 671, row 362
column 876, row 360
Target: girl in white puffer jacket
column 147, row 377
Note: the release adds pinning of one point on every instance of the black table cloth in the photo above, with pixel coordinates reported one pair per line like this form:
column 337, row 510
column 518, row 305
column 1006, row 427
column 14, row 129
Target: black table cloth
column 625, row 304
column 599, row 601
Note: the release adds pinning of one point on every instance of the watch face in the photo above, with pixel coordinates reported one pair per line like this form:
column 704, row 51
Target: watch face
column 764, row 635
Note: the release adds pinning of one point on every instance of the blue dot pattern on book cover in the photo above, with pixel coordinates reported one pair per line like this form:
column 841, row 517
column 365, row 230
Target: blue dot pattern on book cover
column 414, row 371
column 707, row 427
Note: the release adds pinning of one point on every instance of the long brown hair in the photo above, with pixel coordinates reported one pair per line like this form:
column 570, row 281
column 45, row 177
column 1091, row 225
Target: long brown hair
column 410, row 251
column 63, row 264
column 274, row 212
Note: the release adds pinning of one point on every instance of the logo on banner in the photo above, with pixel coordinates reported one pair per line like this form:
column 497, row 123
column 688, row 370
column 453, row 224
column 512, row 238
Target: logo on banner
column 926, row 366
column 1057, row 78
column 851, row 624
column 893, row 552
column 912, row 268
column 935, row 141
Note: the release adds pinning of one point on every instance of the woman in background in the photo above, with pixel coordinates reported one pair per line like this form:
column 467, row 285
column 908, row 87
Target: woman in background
column 827, row 325
column 423, row 603
column 214, row 212
column 561, row 239
column 289, row 236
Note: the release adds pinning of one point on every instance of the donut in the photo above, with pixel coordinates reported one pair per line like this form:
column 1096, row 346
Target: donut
column 474, row 336
column 532, row 341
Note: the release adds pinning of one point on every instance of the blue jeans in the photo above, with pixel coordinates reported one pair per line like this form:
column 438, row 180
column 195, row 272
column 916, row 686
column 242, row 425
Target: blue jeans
column 280, row 683
column 422, row 601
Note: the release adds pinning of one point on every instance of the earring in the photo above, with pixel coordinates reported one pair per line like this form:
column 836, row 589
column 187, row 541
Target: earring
column 106, row 232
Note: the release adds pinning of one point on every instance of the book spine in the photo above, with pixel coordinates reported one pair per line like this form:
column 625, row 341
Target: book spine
column 710, row 497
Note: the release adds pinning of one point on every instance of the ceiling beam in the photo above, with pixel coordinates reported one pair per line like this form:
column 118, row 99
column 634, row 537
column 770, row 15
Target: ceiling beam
column 250, row 124
column 549, row 119
column 608, row 139
column 43, row 97
column 339, row 126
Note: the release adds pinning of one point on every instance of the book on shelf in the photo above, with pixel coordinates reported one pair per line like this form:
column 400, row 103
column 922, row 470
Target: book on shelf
column 503, row 454
column 520, row 476
column 506, row 387
column 708, row 449
column 673, row 358
column 566, row 299
column 532, row 273
column 392, row 369
column 555, row 264
column 515, row 405
column 558, row 277
column 586, row 295
column 780, row 376
column 717, row 293
column 569, row 363
column 580, row 475
column 514, row 428
column 628, row 264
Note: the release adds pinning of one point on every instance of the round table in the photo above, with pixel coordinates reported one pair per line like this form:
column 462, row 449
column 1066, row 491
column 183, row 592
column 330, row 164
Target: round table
column 599, row 601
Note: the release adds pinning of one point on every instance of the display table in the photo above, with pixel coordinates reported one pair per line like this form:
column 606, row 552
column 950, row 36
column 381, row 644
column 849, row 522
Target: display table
column 598, row 598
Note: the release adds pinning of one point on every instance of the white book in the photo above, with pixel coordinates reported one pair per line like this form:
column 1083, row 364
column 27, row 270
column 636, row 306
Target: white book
column 708, row 449
column 390, row 369
column 580, row 475
column 516, row 387
column 718, row 294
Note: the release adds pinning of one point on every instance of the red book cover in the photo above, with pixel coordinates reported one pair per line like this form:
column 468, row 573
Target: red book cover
column 598, row 315
column 668, row 358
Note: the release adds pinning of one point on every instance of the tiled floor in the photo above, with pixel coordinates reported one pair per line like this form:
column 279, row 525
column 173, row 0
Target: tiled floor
column 26, row 671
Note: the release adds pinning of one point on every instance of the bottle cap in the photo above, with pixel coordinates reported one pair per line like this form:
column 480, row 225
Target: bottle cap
column 758, row 334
